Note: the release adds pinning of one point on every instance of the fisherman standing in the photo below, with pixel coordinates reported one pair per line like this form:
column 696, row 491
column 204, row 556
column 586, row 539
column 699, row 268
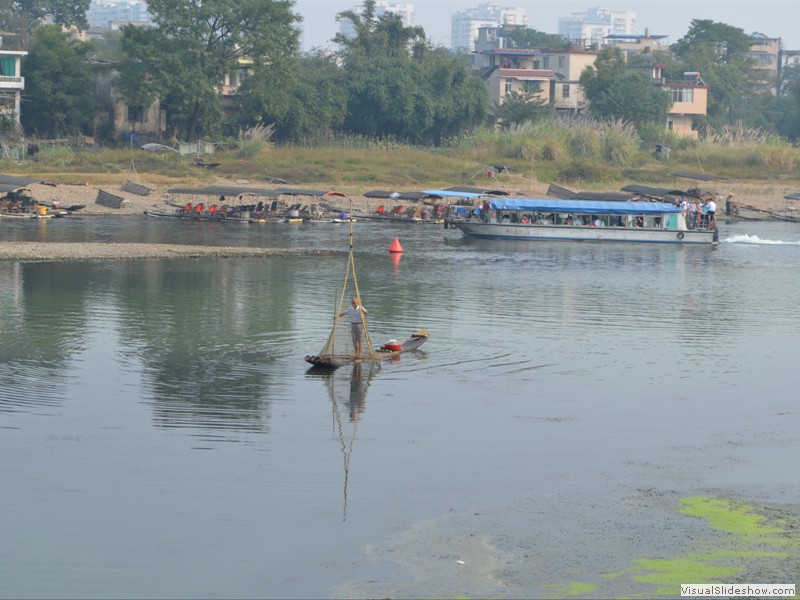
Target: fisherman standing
column 356, row 312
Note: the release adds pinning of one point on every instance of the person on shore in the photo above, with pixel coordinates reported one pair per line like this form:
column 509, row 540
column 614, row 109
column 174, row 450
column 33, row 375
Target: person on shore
column 729, row 205
column 356, row 312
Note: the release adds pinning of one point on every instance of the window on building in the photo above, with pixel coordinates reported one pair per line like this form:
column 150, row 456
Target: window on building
column 8, row 65
column 670, row 124
column 532, row 87
column 562, row 62
column 682, row 95
column 509, row 87
column 565, row 90
column 546, row 62
column 135, row 114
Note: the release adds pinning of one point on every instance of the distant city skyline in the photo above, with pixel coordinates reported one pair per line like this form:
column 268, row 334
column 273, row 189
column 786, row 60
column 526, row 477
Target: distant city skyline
column 774, row 18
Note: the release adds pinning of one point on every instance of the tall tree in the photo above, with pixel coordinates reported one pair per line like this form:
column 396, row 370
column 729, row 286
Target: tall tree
column 59, row 90
column 184, row 58
column 521, row 107
column 399, row 86
column 312, row 101
column 530, row 38
column 23, row 16
column 719, row 52
column 615, row 93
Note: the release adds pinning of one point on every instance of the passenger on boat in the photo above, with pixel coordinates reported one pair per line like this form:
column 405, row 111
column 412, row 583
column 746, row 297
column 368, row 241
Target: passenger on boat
column 598, row 222
column 355, row 313
column 711, row 213
column 569, row 221
column 692, row 220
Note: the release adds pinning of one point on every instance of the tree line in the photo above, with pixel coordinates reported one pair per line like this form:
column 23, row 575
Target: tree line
column 388, row 81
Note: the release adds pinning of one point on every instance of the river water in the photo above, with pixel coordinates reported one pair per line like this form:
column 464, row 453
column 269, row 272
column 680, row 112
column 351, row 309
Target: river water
column 162, row 436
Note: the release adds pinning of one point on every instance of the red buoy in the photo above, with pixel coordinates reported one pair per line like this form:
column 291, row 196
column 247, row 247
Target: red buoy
column 395, row 247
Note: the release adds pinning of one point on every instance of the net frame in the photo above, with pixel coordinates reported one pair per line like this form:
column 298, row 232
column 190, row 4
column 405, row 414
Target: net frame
column 329, row 349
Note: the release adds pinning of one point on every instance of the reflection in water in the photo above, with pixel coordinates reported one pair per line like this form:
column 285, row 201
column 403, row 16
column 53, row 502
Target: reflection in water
column 204, row 335
column 348, row 393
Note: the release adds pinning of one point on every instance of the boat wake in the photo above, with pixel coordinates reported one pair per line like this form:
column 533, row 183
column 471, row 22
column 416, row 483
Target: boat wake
column 754, row 239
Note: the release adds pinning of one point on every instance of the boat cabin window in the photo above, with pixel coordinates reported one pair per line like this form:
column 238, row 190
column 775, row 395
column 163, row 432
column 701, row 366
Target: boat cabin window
column 657, row 221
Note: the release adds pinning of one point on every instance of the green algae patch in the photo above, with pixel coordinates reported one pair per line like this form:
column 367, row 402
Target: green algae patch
column 727, row 516
column 736, row 543
column 670, row 573
column 749, row 533
column 573, row 589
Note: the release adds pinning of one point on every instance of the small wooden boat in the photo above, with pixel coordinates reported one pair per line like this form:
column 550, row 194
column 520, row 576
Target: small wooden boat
column 385, row 351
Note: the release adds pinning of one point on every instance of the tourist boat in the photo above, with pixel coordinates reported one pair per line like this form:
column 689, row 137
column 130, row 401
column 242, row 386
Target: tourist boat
column 584, row 220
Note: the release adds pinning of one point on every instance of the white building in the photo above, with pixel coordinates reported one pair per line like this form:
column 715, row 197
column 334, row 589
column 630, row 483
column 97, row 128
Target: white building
column 382, row 7
column 102, row 13
column 12, row 83
column 590, row 28
column 465, row 24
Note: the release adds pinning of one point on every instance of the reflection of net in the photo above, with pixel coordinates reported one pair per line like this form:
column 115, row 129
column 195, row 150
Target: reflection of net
column 341, row 340
column 348, row 393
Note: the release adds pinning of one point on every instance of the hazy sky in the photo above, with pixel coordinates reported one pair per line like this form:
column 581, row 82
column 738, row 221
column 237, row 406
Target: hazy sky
column 775, row 18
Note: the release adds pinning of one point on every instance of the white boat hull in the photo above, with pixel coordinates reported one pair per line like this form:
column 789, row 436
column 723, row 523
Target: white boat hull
column 585, row 233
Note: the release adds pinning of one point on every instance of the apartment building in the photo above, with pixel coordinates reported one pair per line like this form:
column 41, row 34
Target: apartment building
column 406, row 12
column 102, row 13
column 465, row 25
column 788, row 66
column 633, row 43
column 554, row 73
column 554, row 76
column 765, row 52
column 588, row 29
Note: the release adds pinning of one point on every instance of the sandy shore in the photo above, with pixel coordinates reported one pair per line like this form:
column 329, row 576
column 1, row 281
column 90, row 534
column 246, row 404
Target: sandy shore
column 768, row 197
column 52, row 251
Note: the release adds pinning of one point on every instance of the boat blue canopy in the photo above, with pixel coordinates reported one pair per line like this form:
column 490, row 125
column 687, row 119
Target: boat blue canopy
column 593, row 207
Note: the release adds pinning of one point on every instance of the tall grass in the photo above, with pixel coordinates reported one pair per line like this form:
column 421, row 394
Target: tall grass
column 253, row 140
column 565, row 149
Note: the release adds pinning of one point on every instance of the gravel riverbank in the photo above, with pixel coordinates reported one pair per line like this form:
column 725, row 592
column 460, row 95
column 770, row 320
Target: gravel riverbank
column 56, row 251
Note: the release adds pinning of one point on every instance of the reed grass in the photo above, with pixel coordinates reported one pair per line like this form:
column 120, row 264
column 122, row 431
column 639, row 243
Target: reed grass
column 565, row 150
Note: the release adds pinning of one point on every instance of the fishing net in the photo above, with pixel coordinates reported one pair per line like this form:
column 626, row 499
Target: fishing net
column 345, row 334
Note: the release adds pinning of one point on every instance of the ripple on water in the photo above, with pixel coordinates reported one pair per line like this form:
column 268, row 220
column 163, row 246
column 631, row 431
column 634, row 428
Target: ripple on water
column 31, row 384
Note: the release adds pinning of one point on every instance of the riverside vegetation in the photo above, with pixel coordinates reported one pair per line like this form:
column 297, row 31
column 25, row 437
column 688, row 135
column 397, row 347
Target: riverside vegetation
column 576, row 152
